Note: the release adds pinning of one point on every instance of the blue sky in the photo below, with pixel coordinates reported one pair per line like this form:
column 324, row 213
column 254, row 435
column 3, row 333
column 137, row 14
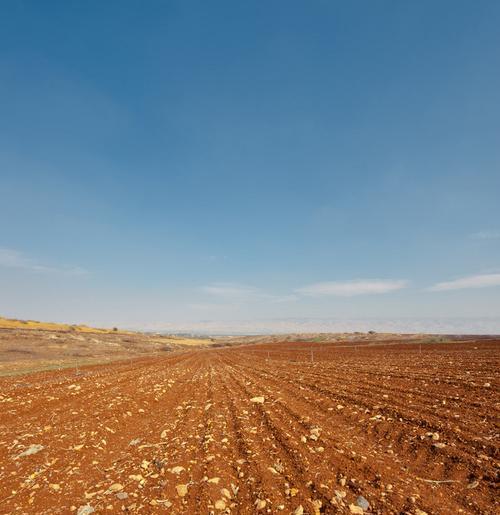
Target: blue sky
column 169, row 162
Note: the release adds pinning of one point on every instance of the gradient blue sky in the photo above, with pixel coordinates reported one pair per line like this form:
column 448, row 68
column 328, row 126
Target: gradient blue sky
column 176, row 161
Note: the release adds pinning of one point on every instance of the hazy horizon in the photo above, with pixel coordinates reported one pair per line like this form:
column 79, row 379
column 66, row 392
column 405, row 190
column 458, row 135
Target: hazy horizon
column 450, row 326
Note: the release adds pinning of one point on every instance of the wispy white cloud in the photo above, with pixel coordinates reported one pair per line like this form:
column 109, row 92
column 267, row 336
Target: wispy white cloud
column 486, row 235
column 471, row 281
column 243, row 292
column 352, row 288
column 229, row 290
column 10, row 258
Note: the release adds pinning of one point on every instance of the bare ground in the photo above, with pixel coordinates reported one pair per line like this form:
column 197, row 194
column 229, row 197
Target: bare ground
column 30, row 350
column 410, row 430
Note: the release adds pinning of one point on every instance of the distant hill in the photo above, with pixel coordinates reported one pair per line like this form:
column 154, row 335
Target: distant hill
column 12, row 323
column 29, row 345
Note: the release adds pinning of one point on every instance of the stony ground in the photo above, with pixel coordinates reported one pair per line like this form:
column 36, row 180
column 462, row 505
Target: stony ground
column 258, row 429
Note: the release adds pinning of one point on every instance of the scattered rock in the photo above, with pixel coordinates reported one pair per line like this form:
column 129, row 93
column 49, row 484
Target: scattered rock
column 182, row 490
column 257, row 400
column 116, row 487
column 32, row 449
column 260, row 504
column 355, row 509
column 220, row 504
column 85, row 510
column 315, row 431
column 299, row 510
column 362, row 503
column 177, row 470
column 122, row 495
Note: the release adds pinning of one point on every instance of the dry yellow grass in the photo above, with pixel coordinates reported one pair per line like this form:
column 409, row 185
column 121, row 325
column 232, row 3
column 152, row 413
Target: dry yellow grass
column 10, row 323
column 180, row 340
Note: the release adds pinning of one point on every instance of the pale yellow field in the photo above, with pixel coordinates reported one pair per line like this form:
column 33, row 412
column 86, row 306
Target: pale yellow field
column 10, row 323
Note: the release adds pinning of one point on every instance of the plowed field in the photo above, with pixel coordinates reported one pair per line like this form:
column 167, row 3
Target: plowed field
column 258, row 429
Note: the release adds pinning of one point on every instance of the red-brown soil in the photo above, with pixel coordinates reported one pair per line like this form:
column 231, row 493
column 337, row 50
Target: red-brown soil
column 410, row 431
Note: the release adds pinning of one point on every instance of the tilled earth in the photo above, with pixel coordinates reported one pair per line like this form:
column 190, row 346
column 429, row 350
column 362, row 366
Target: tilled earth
column 258, row 429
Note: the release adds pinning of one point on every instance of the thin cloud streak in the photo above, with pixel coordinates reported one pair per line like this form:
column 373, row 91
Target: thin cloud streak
column 486, row 235
column 10, row 258
column 472, row 281
column 244, row 292
column 352, row 288
column 229, row 290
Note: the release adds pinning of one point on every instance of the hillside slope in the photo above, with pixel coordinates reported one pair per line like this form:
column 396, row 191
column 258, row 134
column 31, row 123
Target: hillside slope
column 27, row 346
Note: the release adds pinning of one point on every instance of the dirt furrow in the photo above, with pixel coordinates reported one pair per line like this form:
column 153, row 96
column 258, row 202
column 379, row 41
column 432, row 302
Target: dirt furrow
column 229, row 431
